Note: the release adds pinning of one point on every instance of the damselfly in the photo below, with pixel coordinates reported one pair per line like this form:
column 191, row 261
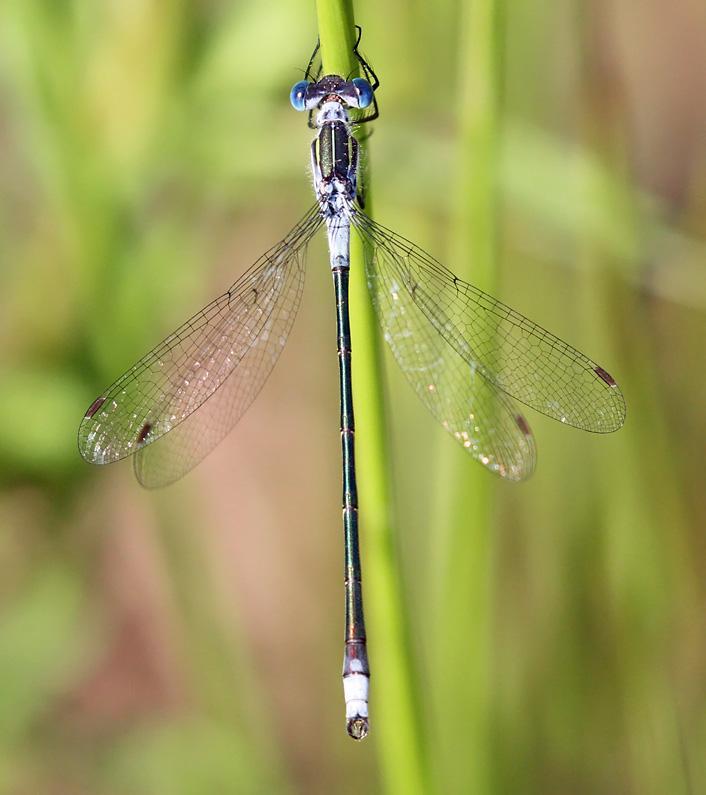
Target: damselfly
column 466, row 354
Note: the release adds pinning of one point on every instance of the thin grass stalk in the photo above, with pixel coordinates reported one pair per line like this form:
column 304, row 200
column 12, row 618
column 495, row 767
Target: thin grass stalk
column 644, row 547
column 462, row 518
column 221, row 680
column 395, row 719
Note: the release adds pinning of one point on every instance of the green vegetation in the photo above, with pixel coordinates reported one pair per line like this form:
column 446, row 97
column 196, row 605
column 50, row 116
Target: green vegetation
column 160, row 643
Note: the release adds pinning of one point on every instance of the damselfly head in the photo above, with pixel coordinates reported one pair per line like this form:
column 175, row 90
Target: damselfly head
column 356, row 93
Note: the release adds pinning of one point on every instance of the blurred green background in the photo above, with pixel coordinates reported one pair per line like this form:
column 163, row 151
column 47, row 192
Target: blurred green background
column 189, row 641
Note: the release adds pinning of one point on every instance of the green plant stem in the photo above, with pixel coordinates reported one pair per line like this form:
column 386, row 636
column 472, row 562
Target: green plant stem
column 462, row 671
column 394, row 716
column 634, row 526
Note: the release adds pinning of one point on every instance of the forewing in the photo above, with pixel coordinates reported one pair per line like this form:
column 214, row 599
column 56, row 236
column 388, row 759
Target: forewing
column 470, row 407
column 513, row 353
column 196, row 384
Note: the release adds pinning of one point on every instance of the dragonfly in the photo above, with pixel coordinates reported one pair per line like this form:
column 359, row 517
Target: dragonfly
column 469, row 357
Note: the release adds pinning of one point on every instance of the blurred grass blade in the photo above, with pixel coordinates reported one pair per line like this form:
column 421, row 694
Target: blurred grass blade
column 461, row 535
column 635, row 517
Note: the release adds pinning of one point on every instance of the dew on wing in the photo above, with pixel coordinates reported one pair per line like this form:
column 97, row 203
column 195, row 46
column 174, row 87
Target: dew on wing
column 144, row 432
column 605, row 376
column 93, row 408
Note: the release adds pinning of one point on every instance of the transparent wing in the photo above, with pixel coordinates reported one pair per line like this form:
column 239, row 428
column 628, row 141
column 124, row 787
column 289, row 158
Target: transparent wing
column 469, row 406
column 197, row 383
column 510, row 352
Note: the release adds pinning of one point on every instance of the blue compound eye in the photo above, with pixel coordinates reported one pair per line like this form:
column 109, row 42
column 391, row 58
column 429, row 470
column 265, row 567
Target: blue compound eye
column 364, row 91
column 297, row 96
